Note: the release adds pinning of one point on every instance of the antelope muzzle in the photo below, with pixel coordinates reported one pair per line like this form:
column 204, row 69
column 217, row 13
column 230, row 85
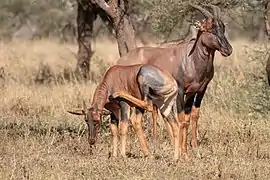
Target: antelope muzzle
column 225, row 47
column 93, row 128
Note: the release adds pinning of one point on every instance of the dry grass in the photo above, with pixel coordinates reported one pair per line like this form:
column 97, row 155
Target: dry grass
column 39, row 140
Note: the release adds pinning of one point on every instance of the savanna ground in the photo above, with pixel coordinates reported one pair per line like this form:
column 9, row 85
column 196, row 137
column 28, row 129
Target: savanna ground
column 40, row 140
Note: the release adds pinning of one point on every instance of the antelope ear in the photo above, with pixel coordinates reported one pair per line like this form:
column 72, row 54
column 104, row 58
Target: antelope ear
column 77, row 112
column 197, row 25
column 203, row 25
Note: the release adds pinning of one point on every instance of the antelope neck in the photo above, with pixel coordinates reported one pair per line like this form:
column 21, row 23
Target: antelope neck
column 202, row 55
column 100, row 97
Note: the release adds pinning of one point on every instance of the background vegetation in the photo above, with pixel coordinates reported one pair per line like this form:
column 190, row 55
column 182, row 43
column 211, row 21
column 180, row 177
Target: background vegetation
column 39, row 140
column 163, row 18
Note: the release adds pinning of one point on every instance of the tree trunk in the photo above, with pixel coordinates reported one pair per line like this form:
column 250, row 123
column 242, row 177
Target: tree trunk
column 85, row 18
column 261, row 31
column 118, row 12
column 266, row 18
column 125, row 35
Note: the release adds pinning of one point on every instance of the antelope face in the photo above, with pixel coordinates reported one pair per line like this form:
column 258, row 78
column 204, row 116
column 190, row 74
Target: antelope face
column 213, row 30
column 93, row 119
column 223, row 45
column 215, row 36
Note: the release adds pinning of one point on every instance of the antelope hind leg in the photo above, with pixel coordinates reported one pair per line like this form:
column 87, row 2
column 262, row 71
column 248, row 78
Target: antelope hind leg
column 137, row 102
column 195, row 112
column 136, row 120
column 154, row 117
column 175, row 131
column 154, row 121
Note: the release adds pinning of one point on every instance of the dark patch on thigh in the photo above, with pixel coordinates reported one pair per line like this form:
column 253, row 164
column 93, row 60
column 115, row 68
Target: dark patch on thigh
column 114, row 120
column 180, row 99
column 151, row 81
column 124, row 111
column 139, row 110
column 189, row 102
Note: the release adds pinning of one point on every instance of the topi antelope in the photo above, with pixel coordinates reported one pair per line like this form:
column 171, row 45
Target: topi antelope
column 126, row 91
column 191, row 64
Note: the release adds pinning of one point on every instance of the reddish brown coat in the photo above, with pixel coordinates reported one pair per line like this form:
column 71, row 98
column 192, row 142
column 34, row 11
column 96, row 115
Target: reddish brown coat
column 117, row 78
column 190, row 63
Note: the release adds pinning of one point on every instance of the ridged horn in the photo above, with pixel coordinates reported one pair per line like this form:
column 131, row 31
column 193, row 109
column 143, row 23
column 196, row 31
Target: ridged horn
column 202, row 10
column 218, row 12
column 214, row 8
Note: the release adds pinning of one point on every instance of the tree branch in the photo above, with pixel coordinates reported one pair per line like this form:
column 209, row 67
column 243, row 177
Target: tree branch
column 105, row 6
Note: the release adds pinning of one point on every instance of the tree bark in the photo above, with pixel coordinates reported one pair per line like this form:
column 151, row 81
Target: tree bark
column 125, row 35
column 266, row 18
column 261, row 31
column 85, row 18
column 118, row 12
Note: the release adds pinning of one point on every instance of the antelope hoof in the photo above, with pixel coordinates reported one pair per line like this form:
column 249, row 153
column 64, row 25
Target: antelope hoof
column 149, row 156
column 112, row 155
column 113, row 158
column 176, row 157
column 183, row 151
column 194, row 144
column 123, row 157
column 184, row 156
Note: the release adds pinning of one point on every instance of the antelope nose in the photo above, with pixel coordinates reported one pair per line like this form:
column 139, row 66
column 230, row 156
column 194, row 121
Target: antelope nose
column 229, row 50
column 226, row 51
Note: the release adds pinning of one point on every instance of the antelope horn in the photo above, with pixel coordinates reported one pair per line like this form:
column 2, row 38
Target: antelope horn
column 218, row 12
column 84, row 106
column 214, row 8
column 202, row 10
column 81, row 112
column 77, row 112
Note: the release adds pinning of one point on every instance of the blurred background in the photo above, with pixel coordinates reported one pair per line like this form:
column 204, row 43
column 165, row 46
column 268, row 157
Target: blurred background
column 167, row 19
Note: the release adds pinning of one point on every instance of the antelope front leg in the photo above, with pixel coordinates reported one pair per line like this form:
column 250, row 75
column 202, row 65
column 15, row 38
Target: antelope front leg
column 195, row 117
column 123, row 137
column 194, row 124
column 114, row 133
column 184, row 119
column 125, row 115
column 136, row 119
